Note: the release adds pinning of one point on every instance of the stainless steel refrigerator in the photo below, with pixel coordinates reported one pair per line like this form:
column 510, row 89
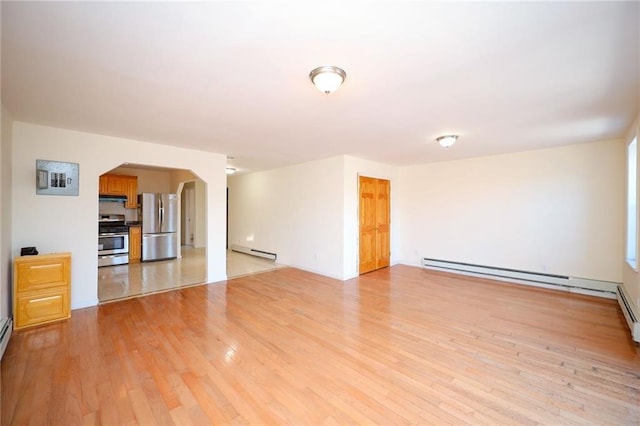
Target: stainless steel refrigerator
column 159, row 226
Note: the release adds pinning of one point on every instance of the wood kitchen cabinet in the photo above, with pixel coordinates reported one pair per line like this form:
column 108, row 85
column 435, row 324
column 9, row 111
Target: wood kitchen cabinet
column 103, row 185
column 135, row 244
column 120, row 185
column 41, row 289
column 131, row 189
column 117, row 185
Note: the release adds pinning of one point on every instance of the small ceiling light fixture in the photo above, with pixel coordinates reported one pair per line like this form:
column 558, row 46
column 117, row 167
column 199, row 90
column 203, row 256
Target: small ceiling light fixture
column 447, row 141
column 327, row 78
column 230, row 170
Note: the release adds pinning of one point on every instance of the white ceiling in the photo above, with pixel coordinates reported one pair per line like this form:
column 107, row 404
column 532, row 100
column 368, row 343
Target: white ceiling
column 232, row 77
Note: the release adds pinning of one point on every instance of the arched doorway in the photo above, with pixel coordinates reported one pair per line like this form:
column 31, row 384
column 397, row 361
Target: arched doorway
column 189, row 267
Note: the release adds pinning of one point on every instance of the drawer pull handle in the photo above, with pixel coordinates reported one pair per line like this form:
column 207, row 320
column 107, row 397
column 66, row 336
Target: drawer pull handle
column 44, row 299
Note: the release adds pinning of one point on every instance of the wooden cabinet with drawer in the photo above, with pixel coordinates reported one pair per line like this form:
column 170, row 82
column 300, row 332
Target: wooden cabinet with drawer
column 41, row 289
column 135, row 244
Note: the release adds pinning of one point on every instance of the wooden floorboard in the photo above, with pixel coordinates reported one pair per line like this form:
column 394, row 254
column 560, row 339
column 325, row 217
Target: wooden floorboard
column 400, row 345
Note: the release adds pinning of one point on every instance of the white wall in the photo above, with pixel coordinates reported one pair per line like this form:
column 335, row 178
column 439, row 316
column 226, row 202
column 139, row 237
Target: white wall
column 557, row 210
column 57, row 224
column 200, row 239
column 180, row 176
column 296, row 212
column 354, row 167
column 5, row 214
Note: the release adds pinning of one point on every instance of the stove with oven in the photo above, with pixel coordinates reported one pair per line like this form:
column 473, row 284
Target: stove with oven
column 113, row 240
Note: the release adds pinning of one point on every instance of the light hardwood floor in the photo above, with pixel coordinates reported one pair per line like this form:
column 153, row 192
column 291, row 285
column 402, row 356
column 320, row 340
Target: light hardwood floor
column 396, row 346
column 135, row 279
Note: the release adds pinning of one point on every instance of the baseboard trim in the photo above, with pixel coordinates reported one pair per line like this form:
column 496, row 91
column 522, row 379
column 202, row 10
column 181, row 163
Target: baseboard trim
column 84, row 304
column 566, row 283
column 630, row 312
column 6, row 327
column 253, row 252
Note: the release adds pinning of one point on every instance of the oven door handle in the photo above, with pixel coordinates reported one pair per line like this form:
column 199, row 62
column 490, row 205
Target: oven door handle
column 111, row 234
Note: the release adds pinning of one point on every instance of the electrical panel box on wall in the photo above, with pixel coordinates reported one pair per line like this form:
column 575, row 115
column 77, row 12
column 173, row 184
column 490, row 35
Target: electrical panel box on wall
column 57, row 178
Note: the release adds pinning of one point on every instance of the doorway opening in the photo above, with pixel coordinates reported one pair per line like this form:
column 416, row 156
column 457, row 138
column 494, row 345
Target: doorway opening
column 188, row 210
column 189, row 266
column 239, row 262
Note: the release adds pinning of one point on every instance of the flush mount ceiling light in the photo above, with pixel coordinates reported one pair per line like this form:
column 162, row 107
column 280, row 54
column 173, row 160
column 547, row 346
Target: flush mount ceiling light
column 230, row 170
column 447, row 141
column 327, row 78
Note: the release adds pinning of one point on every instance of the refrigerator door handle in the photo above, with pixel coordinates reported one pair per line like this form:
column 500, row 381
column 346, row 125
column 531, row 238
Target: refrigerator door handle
column 159, row 208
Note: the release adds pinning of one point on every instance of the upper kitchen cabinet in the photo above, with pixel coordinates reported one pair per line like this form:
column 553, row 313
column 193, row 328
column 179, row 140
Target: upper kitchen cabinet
column 132, row 192
column 120, row 185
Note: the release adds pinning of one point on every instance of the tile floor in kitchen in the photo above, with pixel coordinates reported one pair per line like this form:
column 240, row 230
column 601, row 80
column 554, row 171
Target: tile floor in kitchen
column 124, row 281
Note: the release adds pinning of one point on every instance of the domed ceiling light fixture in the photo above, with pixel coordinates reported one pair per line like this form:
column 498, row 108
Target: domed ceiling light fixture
column 447, row 141
column 230, row 170
column 327, row 78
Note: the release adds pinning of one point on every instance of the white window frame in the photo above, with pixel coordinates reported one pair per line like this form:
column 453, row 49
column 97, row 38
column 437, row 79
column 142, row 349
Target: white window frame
column 631, row 246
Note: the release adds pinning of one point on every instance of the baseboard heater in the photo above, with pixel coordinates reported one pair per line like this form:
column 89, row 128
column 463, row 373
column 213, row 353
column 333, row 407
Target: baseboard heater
column 629, row 312
column 559, row 282
column 253, row 252
column 6, row 325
